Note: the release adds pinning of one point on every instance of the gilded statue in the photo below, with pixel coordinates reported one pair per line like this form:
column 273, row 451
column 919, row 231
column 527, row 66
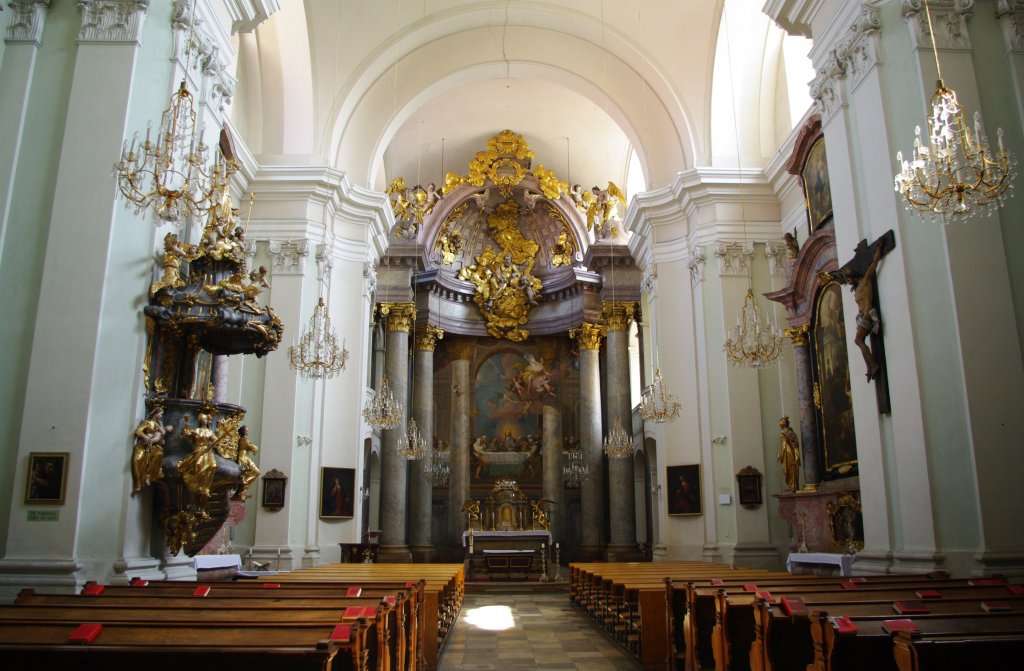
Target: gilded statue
column 411, row 206
column 540, row 518
column 602, row 207
column 250, row 472
column 170, row 264
column 449, row 244
column 257, row 283
column 472, row 510
column 789, row 454
column 148, row 453
column 199, row 466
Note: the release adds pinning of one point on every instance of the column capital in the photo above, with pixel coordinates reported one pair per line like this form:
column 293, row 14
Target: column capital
column 26, row 25
column 798, row 334
column 427, row 337
column 618, row 314
column 288, row 256
column 949, row 20
column 112, row 21
column 589, row 335
column 400, row 315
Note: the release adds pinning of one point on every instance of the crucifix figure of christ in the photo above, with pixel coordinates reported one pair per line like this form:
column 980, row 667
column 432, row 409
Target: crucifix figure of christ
column 860, row 274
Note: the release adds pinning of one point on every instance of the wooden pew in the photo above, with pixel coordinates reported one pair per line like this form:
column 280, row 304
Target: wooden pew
column 873, row 647
column 783, row 641
column 386, row 639
column 207, row 647
column 956, row 652
column 734, row 637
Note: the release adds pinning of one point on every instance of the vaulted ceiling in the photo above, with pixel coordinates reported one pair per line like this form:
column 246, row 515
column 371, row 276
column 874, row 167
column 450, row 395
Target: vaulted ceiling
column 415, row 87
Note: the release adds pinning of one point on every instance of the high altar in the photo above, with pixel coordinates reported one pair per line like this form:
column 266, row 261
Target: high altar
column 508, row 530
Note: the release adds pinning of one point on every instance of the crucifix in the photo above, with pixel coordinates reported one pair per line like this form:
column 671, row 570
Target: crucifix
column 860, row 273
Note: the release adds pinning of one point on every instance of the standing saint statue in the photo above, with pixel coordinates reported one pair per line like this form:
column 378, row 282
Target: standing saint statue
column 789, row 454
column 250, row 471
column 199, row 466
column 148, row 454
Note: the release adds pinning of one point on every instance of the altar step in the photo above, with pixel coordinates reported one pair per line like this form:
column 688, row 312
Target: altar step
column 492, row 585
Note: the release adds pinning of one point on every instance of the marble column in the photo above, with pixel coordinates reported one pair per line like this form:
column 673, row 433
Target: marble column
column 458, row 480
column 805, row 400
column 400, row 317
column 591, row 491
column 622, row 544
column 421, row 483
column 551, row 452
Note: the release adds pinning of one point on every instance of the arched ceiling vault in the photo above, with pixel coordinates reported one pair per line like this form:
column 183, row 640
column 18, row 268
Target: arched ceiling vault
column 372, row 89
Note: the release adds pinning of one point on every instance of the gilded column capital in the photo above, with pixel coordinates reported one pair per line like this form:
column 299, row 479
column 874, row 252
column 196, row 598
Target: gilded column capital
column 400, row 316
column 589, row 335
column 618, row 314
column 427, row 337
column 798, row 334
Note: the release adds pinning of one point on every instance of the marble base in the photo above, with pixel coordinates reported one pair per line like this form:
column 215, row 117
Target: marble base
column 423, row 554
column 56, row 575
column 394, row 554
column 124, row 570
column 750, row 555
column 813, row 529
column 1010, row 564
column 615, row 553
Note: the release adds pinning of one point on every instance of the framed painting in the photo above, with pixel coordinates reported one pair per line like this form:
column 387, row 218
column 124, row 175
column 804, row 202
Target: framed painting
column 684, row 490
column 274, row 483
column 47, row 477
column 337, row 489
column 748, row 484
column 817, row 190
column 837, row 441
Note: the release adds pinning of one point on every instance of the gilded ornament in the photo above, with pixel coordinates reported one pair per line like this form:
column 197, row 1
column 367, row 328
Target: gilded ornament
column 148, row 453
column 563, row 249
column 824, row 277
column 798, row 334
column 411, row 206
column 506, row 289
column 427, row 337
column 180, row 529
column 250, row 471
column 449, row 242
column 451, row 182
column 400, row 316
column 199, row 466
column 618, row 314
column 589, row 335
column 502, row 163
column 170, row 264
column 602, row 207
column 552, row 187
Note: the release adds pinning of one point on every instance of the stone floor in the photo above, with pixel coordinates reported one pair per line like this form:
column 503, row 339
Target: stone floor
column 524, row 631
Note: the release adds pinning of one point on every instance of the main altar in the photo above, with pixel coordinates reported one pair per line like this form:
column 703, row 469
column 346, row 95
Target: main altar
column 507, row 532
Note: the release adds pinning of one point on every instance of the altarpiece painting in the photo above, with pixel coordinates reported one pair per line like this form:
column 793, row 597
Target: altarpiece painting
column 831, row 375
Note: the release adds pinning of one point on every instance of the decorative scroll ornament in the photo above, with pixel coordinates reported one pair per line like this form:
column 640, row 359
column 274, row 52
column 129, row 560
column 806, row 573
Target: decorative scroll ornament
column 383, row 411
column 753, row 344
column 658, row 404
column 505, row 162
column 618, row 444
column 411, row 206
column 957, row 172
column 506, row 289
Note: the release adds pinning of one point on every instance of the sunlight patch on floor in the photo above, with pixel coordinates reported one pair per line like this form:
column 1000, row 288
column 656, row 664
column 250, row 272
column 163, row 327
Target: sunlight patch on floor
column 491, row 618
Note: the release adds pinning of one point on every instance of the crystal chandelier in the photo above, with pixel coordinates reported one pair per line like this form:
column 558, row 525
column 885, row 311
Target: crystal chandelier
column 658, row 404
column 383, row 411
column 316, row 354
column 956, row 172
column 411, row 444
column 575, row 471
column 440, row 468
column 618, row 444
column 169, row 173
column 753, row 344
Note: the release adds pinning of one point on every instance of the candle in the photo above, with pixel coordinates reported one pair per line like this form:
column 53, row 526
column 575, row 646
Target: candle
column 556, row 546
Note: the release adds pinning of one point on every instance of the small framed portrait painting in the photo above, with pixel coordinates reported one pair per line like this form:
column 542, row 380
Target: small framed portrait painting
column 817, row 188
column 684, row 490
column 337, row 489
column 748, row 483
column 47, row 477
column 274, row 483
